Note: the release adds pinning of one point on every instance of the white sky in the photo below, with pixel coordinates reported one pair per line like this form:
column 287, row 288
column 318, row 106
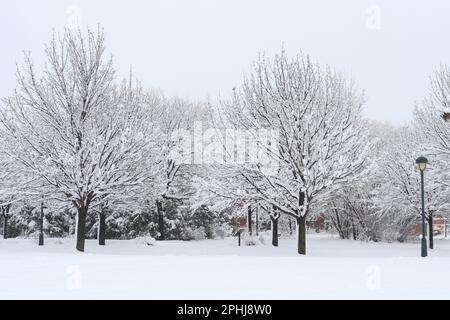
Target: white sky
column 202, row 48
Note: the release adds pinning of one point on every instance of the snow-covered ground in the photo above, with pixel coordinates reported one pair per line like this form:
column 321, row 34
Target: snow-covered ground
column 218, row 269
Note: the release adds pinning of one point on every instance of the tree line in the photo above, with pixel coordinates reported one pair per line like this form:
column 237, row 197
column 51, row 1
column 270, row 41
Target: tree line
column 101, row 151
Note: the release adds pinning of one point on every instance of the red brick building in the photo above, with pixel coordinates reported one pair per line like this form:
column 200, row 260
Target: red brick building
column 440, row 227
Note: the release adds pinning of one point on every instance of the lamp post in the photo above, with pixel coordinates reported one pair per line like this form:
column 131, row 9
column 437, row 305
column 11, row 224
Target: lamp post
column 421, row 163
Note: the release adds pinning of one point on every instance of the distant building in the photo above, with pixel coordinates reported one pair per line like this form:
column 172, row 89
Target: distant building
column 440, row 228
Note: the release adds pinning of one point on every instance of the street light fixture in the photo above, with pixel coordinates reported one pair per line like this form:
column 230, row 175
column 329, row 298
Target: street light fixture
column 421, row 163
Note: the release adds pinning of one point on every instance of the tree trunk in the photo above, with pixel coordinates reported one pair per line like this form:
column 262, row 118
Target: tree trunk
column 337, row 223
column 81, row 227
column 5, row 226
column 257, row 221
column 239, row 237
column 301, row 235
column 101, row 227
column 430, row 230
column 159, row 209
column 406, row 228
column 41, row 226
column 274, row 231
column 290, row 226
column 354, row 232
column 249, row 219
column 301, row 225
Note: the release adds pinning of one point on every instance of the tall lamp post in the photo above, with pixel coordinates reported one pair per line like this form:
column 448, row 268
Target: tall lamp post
column 421, row 163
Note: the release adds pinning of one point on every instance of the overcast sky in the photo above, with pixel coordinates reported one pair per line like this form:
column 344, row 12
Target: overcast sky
column 202, row 48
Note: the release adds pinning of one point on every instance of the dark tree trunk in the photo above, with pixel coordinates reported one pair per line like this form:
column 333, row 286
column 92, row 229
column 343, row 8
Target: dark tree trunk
column 41, row 226
column 301, row 236
column 5, row 226
column 102, row 227
column 354, row 232
column 337, row 223
column 430, row 230
column 257, row 221
column 81, row 227
column 249, row 219
column 301, row 226
column 274, row 231
column 239, row 237
column 406, row 229
column 290, row 226
column 160, row 212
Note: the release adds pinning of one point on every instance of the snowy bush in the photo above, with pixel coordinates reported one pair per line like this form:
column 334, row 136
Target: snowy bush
column 146, row 240
column 250, row 241
column 193, row 234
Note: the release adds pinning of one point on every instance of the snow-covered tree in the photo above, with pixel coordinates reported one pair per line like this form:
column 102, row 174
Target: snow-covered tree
column 16, row 186
column 71, row 126
column 433, row 127
column 431, row 123
column 440, row 92
column 320, row 135
column 7, row 194
column 396, row 183
column 176, row 120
